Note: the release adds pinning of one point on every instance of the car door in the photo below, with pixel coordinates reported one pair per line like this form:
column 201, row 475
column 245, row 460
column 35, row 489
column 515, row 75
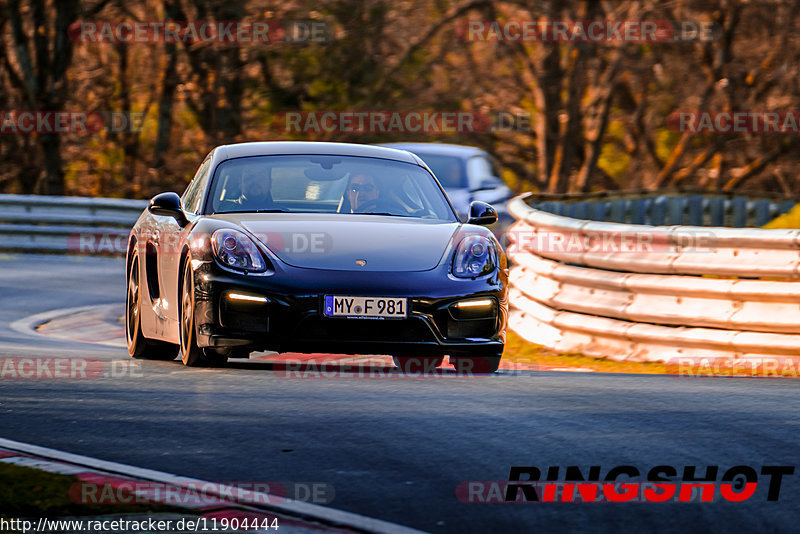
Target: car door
column 171, row 240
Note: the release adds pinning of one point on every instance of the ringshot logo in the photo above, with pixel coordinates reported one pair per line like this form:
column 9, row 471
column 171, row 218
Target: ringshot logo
column 627, row 483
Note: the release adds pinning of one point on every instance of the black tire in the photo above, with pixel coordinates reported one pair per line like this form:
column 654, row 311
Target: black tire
column 417, row 365
column 475, row 364
column 191, row 354
column 139, row 346
column 216, row 357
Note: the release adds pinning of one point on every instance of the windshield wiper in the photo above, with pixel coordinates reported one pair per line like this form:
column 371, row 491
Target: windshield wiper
column 379, row 213
column 254, row 211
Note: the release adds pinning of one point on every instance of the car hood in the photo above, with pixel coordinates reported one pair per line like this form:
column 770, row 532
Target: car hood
column 337, row 242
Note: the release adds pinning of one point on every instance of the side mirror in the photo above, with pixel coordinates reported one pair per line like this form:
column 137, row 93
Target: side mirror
column 168, row 205
column 481, row 213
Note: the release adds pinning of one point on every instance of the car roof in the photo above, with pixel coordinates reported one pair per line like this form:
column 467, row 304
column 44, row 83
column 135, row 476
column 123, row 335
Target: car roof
column 269, row 148
column 442, row 149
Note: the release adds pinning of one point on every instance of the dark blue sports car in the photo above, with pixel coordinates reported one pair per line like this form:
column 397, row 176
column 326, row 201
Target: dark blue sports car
column 315, row 247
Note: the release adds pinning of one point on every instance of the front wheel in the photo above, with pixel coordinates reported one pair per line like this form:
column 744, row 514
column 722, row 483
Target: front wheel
column 138, row 345
column 191, row 354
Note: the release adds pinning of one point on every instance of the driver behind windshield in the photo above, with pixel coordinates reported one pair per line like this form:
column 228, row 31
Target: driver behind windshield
column 370, row 195
column 362, row 193
column 256, row 194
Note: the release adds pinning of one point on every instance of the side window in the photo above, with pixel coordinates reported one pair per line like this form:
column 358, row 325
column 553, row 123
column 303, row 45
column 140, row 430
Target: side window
column 412, row 194
column 193, row 197
column 478, row 169
column 494, row 167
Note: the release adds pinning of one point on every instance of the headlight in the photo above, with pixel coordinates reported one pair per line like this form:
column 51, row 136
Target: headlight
column 475, row 256
column 234, row 249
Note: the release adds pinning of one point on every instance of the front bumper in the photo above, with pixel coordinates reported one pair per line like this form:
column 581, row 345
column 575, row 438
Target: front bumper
column 291, row 320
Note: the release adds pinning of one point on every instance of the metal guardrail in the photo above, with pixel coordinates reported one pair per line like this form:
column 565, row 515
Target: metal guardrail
column 66, row 225
column 668, row 208
column 653, row 293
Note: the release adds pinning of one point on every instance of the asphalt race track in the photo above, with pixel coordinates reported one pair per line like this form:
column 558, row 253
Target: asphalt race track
column 397, row 448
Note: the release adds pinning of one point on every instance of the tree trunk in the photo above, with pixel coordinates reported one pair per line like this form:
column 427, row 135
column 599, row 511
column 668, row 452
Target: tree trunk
column 166, row 98
column 53, row 183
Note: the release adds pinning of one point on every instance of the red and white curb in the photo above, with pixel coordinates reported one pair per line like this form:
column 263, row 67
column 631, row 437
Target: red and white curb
column 294, row 516
column 87, row 324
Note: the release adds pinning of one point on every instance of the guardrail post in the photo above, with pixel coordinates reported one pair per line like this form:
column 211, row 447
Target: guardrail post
column 696, row 210
column 716, row 207
column 739, row 212
column 618, row 210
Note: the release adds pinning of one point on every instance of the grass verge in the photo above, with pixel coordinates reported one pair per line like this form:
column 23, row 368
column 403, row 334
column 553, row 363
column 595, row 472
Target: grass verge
column 519, row 350
column 28, row 492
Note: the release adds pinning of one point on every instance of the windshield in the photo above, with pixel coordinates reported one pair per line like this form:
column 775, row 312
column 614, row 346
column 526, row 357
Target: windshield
column 327, row 184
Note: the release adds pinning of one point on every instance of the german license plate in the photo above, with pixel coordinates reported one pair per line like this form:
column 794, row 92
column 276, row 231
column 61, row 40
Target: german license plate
column 376, row 307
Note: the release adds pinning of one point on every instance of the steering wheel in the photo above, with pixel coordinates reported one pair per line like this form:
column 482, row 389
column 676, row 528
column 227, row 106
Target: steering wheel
column 372, row 205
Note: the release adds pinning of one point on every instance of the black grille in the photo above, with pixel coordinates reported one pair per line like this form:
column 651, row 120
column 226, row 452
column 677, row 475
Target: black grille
column 471, row 328
column 247, row 322
column 244, row 316
column 364, row 330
